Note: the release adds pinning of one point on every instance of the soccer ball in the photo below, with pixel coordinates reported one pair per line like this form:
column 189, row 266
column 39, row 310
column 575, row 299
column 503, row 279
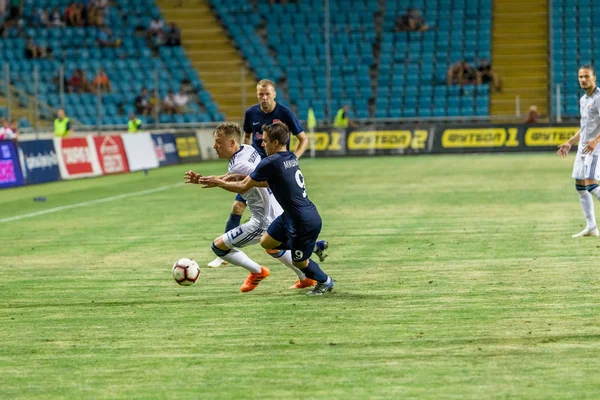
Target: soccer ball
column 186, row 271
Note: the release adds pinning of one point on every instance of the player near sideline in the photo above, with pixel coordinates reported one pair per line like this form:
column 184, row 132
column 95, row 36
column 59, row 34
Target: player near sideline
column 298, row 228
column 266, row 112
column 586, row 169
column 263, row 210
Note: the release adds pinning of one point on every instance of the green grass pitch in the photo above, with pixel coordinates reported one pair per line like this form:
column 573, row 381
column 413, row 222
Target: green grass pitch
column 457, row 278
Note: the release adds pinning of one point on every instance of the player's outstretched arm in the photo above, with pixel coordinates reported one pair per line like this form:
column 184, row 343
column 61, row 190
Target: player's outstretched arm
column 193, row 177
column 302, row 144
column 563, row 149
column 235, row 187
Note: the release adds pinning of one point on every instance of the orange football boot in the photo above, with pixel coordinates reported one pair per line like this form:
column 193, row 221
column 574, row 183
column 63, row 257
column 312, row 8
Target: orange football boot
column 254, row 279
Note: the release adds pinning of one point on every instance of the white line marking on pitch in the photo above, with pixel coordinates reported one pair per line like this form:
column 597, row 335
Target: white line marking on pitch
column 89, row 203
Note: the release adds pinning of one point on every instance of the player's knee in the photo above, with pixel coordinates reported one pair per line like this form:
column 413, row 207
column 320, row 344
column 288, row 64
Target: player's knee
column 219, row 252
column 238, row 208
column 275, row 253
column 267, row 243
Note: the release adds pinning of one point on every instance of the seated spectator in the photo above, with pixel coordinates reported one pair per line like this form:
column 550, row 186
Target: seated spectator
column 461, row 73
column 532, row 116
column 181, row 99
column 485, row 74
column 75, row 82
column 39, row 17
column 156, row 26
column 105, row 39
column 56, row 18
column 8, row 131
column 169, row 105
column 86, row 86
column 101, row 81
column 154, row 103
column 56, row 81
column 142, row 106
column 412, row 21
column 73, row 15
column 31, row 50
column 173, row 36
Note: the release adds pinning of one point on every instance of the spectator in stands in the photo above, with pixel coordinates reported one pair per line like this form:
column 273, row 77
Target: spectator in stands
column 173, row 36
column 154, row 103
column 39, row 18
column 142, row 105
column 532, row 116
column 15, row 10
column 181, row 100
column 56, row 18
column 75, row 82
column 156, row 26
column 105, row 39
column 2, row 9
column 412, row 21
column 62, row 124
column 56, row 81
column 101, row 81
column 8, row 132
column 461, row 73
column 86, row 86
column 73, row 15
column 134, row 125
column 485, row 74
column 32, row 51
column 169, row 105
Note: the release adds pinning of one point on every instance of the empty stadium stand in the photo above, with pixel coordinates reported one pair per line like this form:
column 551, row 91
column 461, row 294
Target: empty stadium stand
column 575, row 33
column 130, row 67
column 405, row 73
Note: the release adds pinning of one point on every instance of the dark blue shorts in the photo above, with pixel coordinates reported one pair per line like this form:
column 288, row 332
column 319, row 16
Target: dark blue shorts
column 238, row 197
column 302, row 238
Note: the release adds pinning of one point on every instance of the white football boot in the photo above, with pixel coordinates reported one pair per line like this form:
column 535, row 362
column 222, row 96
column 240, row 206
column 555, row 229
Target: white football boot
column 217, row 262
column 587, row 232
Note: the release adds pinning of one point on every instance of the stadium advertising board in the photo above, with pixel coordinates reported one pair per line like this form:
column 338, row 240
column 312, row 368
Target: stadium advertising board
column 206, row 143
column 166, row 151
column 39, row 161
column 10, row 170
column 405, row 141
column 326, row 143
column 501, row 138
column 187, row 147
column 111, row 154
column 140, row 151
column 77, row 157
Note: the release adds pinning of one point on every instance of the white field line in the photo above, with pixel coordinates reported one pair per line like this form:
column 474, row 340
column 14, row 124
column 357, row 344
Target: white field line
column 89, row 203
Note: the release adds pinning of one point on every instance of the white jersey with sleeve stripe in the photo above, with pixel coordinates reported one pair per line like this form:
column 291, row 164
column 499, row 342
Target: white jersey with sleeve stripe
column 261, row 202
column 590, row 119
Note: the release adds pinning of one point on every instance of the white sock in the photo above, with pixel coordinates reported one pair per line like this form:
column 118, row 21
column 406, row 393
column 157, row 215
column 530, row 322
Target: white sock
column 239, row 258
column 596, row 192
column 587, row 206
column 286, row 259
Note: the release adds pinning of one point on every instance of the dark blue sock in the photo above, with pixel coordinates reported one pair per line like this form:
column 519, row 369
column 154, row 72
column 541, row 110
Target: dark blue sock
column 233, row 222
column 313, row 271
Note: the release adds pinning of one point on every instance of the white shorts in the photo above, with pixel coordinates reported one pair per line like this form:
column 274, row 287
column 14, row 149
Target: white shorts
column 244, row 235
column 586, row 166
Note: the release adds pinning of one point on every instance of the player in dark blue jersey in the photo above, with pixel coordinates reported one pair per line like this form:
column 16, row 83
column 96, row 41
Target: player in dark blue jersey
column 266, row 112
column 298, row 228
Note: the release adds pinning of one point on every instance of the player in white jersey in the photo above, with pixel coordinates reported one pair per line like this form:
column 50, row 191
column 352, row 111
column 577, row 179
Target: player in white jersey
column 264, row 209
column 586, row 168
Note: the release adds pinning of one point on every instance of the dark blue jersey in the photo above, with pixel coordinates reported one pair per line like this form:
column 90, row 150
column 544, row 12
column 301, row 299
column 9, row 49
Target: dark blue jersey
column 282, row 173
column 255, row 118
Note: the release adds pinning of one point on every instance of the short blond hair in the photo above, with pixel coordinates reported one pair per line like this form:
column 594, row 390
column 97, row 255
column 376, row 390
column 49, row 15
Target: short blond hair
column 266, row 82
column 229, row 129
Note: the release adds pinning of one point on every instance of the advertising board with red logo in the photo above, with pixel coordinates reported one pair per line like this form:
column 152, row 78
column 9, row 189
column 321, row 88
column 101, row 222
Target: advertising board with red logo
column 111, row 154
column 77, row 157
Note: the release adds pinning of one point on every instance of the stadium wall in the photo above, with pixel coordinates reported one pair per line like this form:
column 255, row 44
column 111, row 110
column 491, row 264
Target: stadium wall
column 44, row 160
